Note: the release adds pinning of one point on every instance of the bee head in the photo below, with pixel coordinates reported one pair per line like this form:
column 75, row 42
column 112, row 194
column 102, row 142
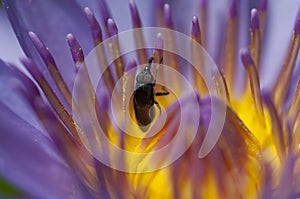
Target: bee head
column 144, row 77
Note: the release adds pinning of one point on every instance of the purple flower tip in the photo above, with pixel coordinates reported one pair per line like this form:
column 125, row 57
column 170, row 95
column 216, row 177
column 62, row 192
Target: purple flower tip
column 167, row 16
column 70, row 37
column 88, row 12
column 41, row 48
column 130, row 65
column 159, row 3
column 233, row 10
column 297, row 24
column 203, row 4
column 134, row 14
column 159, row 44
column 263, row 5
column 75, row 48
column 112, row 27
column 36, row 41
column 94, row 25
column 196, row 31
column 246, row 57
column 254, row 19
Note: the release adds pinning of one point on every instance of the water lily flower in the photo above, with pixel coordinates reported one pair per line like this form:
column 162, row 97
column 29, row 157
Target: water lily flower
column 51, row 112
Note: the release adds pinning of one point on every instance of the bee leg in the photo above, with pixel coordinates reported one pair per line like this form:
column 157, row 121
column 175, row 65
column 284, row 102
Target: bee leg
column 158, row 106
column 162, row 93
column 150, row 60
column 165, row 92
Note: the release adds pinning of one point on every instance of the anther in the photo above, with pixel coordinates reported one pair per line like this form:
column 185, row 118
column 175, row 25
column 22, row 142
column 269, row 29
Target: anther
column 167, row 17
column 255, row 37
column 196, row 31
column 76, row 50
column 94, row 26
column 115, row 48
column 49, row 61
column 135, row 16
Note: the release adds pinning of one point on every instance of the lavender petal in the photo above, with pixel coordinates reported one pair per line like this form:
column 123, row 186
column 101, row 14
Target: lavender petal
column 51, row 21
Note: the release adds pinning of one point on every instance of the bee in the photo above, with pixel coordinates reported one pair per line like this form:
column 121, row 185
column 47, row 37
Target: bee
column 144, row 95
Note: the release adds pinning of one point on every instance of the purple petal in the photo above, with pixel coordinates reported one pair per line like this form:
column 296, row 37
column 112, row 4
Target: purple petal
column 12, row 50
column 51, row 21
column 29, row 160
column 11, row 97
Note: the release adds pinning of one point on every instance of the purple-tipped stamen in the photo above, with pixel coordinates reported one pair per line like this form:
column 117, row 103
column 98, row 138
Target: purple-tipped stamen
column 159, row 44
column 246, row 57
column 263, row 5
column 94, row 26
column 203, row 4
column 233, row 9
column 104, row 11
column 159, row 3
column 167, row 16
column 135, row 16
column 53, row 69
column 297, row 24
column 112, row 27
column 76, row 50
column 42, row 49
column 254, row 20
column 253, row 82
column 196, row 31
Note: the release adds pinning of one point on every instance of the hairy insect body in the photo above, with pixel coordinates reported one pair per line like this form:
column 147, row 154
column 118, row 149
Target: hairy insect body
column 144, row 96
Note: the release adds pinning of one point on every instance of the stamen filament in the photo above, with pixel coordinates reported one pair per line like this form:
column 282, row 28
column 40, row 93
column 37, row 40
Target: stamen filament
column 158, row 51
column 101, row 55
column 296, row 132
column 295, row 106
column 114, row 47
column 231, row 47
column 220, row 80
column 94, row 26
column 277, row 129
column 159, row 12
column 170, row 58
column 255, row 38
column 59, row 108
column 282, row 83
column 263, row 14
column 138, row 33
column 196, row 36
column 253, row 81
column 51, row 65
column 203, row 21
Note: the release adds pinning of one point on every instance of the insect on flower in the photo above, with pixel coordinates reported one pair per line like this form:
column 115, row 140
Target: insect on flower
column 144, row 95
